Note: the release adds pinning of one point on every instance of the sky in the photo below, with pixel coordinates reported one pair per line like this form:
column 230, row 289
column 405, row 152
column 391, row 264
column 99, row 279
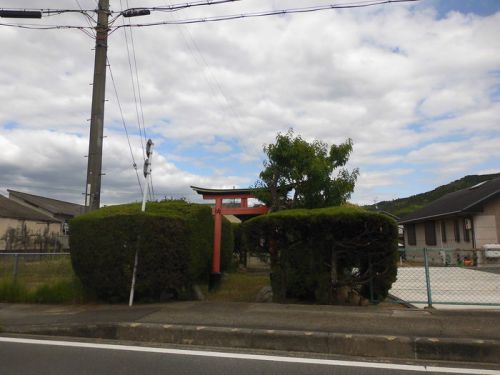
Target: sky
column 416, row 86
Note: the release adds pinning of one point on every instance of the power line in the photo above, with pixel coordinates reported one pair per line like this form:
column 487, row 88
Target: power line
column 134, row 165
column 195, row 51
column 138, row 84
column 176, row 7
column 267, row 13
column 173, row 7
column 44, row 27
column 215, row 18
column 88, row 18
column 133, row 88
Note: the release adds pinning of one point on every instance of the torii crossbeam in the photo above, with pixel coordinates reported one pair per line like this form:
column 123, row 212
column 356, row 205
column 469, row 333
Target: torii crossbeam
column 218, row 210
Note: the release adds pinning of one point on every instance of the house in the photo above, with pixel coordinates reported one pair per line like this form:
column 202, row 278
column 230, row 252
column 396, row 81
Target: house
column 57, row 209
column 466, row 219
column 32, row 209
column 23, row 228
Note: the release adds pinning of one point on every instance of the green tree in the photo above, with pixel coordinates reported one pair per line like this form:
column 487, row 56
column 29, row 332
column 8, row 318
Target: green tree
column 299, row 174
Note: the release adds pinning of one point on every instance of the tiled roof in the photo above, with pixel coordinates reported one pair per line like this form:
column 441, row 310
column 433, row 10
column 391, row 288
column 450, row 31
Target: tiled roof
column 13, row 210
column 54, row 206
column 459, row 202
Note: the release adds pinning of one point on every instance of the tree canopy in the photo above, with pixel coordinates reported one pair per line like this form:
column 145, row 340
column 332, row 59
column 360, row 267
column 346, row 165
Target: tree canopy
column 301, row 174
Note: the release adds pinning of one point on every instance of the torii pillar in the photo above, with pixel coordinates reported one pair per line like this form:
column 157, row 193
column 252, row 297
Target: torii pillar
column 243, row 210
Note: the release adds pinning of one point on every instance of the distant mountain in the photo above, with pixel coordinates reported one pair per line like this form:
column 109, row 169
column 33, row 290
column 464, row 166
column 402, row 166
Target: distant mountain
column 403, row 206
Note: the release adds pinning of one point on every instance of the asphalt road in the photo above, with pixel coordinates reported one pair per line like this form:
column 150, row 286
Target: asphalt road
column 28, row 356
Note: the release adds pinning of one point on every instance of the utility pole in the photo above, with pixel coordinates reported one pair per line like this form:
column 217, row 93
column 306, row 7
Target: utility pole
column 94, row 167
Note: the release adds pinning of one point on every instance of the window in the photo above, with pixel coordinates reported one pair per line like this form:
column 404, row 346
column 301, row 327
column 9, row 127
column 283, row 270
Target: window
column 411, row 234
column 456, row 227
column 466, row 227
column 430, row 233
column 443, row 231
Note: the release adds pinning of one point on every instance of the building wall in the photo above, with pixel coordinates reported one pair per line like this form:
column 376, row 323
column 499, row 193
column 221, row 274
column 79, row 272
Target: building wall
column 440, row 244
column 32, row 228
column 493, row 209
column 485, row 230
column 451, row 243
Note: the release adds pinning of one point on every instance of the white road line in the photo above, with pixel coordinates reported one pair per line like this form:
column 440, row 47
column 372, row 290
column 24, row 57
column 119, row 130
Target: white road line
column 256, row 357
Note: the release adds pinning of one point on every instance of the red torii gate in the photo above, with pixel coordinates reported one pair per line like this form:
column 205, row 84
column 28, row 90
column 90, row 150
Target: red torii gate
column 243, row 210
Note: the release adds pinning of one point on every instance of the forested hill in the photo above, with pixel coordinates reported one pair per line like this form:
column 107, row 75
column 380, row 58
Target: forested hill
column 403, row 206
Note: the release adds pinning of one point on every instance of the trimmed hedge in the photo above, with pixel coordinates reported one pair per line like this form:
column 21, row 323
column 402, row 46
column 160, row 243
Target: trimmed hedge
column 316, row 252
column 175, row 242
column 238, row 244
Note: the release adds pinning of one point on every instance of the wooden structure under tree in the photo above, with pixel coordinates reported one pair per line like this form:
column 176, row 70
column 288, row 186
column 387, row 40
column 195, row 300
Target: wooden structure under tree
column 242, row 212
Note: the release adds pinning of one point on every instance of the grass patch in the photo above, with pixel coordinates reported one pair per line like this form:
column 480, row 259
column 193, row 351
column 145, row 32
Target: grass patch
column 239, row 287
column 40, row 279
column 13, row 292
column 47, row 280
column 59, row 292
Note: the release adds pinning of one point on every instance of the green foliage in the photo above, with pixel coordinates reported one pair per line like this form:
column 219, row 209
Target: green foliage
column 238, row 245
column 315, row 252
column 294, row 164
column 62, row 291
column 227, row 247
column 174, row 241
column 11, row 291
column 405, row 206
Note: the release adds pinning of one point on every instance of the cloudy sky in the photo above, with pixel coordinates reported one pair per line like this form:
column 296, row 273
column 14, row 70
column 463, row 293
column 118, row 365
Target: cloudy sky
column 416, row 86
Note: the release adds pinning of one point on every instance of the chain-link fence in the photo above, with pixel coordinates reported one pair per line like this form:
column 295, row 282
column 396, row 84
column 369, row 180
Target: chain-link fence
column 34, row 269
column 447, row 277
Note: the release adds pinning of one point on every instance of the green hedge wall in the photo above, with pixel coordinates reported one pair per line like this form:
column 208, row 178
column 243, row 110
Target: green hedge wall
column 238, row 245
column 175, row 241
column 316, row 252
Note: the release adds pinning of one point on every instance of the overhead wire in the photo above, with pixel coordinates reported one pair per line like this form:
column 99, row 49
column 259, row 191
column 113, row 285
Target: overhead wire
column 134, row 164
column 175, row 7
column 133, row 88
column 195, row 51
column 134, row 76
column 267, row 13
column 88, row 18
column 360, row 4
column 134, row 55
column 170, row 8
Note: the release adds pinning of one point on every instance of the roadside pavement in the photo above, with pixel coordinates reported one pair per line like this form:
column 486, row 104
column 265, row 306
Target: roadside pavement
column 452, row 335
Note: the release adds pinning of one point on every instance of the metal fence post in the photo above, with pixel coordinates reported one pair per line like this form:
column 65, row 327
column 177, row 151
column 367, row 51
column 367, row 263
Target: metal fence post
column 427, row 278
column 16, row 262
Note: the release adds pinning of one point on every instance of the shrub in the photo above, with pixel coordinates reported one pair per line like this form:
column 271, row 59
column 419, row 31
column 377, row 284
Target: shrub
column 11, row 291
column 238, row 245
column 63, row 291
column 175, row 242
column 227, row 247
column 315, row 252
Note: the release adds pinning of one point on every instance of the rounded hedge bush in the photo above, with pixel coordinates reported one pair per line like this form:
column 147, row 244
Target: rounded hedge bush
column 174, row 240
column 314, row 253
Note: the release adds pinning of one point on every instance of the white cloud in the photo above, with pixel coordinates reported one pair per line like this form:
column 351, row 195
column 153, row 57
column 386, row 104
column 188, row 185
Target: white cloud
column 229, row 87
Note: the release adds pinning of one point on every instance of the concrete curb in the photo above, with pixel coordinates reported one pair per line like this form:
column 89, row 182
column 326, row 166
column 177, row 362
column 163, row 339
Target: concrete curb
column 398, row 347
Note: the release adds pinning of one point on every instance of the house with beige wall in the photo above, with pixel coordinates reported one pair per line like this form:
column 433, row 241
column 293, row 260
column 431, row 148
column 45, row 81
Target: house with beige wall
column 35, row 219
column 466, row 219
column 22, row 228
column 55, row 208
